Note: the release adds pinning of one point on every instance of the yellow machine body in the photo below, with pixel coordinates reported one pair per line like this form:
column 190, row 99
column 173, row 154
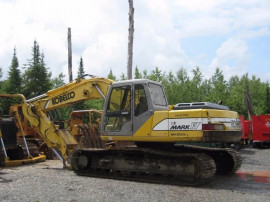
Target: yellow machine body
column 184, row 125
column 124, row 118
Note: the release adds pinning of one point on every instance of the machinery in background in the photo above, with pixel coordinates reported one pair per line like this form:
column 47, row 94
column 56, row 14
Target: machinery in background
column 15, row 148
column 84, row 125
column 256, row 131
column 247, row 135
column 38, row 112
column 261, row 130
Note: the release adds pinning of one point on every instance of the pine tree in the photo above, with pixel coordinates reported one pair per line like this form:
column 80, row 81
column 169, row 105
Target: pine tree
column 36, row 77
column 1, row 72
column 236, row 95
column 58, row 81
column 123, row 77
column 219, row 87
column 111, row 76
column 81, row 72
column 13, row 83
column 1, row 82
column 156, row 75
column 169, row 85
column 182, row 92
column 145, row 76
column 138, row 74
column 196, row 85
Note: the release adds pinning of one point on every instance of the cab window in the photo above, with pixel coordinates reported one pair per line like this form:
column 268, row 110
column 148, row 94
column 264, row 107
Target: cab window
column 140, row 101
column 118, row 110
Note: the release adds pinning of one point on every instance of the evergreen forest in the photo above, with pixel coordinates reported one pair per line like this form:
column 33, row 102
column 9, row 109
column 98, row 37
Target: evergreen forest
column 34, row 78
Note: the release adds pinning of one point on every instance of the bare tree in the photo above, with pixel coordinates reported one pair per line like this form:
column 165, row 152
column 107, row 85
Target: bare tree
column 69, row 56
column 70, row 61
column 130, row 39
column 249, row 103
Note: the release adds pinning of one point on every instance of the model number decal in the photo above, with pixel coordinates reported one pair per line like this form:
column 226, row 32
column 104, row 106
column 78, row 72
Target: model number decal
column 235, row 123
column 62, row 98
column 179, row 134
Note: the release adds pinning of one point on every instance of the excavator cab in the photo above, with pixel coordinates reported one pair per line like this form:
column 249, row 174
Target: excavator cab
column 130, row 104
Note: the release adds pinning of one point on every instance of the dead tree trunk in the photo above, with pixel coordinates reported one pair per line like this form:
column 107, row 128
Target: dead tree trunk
column 249, row 103
column 130, row 39
column 70, row 61
column 69, row 56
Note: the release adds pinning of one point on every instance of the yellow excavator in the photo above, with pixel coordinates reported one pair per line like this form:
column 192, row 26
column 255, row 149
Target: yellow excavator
column 15, row 149
column 137, row 111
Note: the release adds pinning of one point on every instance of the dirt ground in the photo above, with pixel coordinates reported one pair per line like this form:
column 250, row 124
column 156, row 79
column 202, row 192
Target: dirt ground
column 47, row 181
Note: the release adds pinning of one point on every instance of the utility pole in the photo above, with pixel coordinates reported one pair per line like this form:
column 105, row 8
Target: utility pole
column 130, row 39
column 69, row 56
column 70, row 60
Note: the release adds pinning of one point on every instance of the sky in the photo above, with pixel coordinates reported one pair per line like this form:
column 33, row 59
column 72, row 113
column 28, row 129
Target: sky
column 233, row 35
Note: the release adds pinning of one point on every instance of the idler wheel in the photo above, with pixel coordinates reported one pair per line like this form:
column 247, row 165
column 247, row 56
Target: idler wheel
column 82, row 161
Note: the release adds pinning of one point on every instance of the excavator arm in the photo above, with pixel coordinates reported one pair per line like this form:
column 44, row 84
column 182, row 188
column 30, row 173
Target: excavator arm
column 55, row 138
column 78, row 91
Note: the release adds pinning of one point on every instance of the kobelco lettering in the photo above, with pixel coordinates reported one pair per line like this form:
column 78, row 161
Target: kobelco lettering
column 63, row 98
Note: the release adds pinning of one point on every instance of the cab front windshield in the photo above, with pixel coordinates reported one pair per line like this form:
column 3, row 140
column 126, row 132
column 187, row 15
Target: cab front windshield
column 157, row 95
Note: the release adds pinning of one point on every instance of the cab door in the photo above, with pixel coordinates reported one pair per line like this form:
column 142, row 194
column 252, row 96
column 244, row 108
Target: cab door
column 118, row 114
column 142, row 110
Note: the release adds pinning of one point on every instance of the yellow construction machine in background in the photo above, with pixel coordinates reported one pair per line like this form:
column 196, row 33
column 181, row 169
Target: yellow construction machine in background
column 84, row 125
column 16, row 149
column 33, row 123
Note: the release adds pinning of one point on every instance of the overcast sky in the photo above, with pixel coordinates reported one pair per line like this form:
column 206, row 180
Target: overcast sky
column 169, row 34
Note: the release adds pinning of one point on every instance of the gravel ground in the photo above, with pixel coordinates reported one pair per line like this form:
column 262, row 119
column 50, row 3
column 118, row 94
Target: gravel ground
column 47, row 181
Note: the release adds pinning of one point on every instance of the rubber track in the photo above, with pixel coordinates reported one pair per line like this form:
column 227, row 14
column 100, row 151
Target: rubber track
column 233, row 158
column 2, row 158
column 204, row 169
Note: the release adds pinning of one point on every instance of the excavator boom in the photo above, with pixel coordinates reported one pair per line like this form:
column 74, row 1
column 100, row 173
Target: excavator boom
column 77, row 91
